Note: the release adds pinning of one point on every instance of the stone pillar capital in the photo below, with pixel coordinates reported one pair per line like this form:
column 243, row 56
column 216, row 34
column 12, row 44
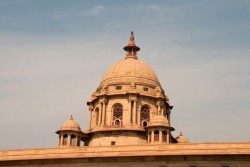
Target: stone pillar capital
column 132, row 99
column 103, row 100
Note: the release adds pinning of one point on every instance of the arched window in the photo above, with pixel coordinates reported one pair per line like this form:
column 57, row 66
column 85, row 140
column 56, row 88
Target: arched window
column 156, row 135
column 73, row 140
column 164, row 136
column 117, row 122
column 117, row 114
column 96, row 116
column 65, row 140
column 144, row 115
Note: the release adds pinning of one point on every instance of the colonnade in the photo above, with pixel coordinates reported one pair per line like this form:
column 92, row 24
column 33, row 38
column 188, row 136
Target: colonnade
column 133, row 114
column 158, row 136
column 69, row 139
column 101, row 115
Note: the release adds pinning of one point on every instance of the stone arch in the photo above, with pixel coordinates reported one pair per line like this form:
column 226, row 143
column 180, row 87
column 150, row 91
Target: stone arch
column 144, row 115
column 65, row 140
column 117, row 114
column 164, row 136
column 156, row 135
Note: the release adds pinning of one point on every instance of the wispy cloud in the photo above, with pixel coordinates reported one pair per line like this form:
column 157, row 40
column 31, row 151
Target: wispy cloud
column 155, row 8
column 95, row 11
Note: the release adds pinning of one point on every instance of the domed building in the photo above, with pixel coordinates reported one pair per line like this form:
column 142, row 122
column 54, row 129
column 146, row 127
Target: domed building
column 128, row 125
column 128, row 98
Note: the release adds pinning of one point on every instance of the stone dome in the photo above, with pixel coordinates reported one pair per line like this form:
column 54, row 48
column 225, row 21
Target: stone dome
column 130, row 70
column 159, row 120
column 70, row 124
column 182, row 139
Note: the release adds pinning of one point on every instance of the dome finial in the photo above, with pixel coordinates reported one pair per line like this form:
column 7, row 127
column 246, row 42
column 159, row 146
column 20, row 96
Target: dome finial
column 132, row 38
column 131, row 48
column 71, row 117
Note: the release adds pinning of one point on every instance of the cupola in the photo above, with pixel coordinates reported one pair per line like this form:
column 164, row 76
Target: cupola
column 70, row 134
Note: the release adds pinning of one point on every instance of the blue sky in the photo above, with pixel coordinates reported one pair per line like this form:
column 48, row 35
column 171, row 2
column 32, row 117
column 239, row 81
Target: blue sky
column 54, row 53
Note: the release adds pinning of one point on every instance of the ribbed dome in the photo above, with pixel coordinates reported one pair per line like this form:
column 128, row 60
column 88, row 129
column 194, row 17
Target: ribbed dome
column 130, row 70
column 70, row 125
column 182, row 139
column 159, row 120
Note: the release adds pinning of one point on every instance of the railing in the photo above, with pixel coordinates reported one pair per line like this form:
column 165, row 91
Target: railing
column 114, row 126
column 164, row 138
column 156, row 137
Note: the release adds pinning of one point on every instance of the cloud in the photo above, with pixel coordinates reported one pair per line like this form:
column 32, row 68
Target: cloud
column 155, row 8
column 95, row 11
column 56, row 17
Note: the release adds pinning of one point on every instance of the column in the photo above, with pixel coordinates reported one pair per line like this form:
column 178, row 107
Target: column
column 158, row 109
column 104, row 114
column 76, row 142
column 100, row 114
column 138, row 116
column 129, row 112
column 169, row 117
column 134, row 112
column 168, row 137
column 162, row 110
column 69, row 138
column 61, row 140
column 152, row 136
column 160, row 136
column 90, row 117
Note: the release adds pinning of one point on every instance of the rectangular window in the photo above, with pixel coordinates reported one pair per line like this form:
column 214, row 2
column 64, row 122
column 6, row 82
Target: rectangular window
column 112, row 143
column 118, row 87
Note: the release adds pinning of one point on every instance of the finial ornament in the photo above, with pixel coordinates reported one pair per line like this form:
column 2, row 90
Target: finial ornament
column 131, row 48
column 71, row 117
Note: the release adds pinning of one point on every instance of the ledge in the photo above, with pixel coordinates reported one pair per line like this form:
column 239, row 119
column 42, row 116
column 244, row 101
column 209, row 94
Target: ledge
column 128, row 151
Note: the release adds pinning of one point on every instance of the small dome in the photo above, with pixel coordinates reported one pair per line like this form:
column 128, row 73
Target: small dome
column 70, row 125
column 182, row 139
column 130, row 70
column 159, row 120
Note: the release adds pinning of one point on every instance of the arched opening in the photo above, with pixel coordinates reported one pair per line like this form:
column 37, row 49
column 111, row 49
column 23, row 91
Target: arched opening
column 96, row 116
column 144, row 115
column 117, row 114
column 164, row 136
column 73, row 140
column 156, row 135
column 150, row 133
column 78, row 142
column 65, row 140
column 117, row 122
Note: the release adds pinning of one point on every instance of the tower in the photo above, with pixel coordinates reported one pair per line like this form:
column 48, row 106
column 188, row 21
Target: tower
column 123, row 107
